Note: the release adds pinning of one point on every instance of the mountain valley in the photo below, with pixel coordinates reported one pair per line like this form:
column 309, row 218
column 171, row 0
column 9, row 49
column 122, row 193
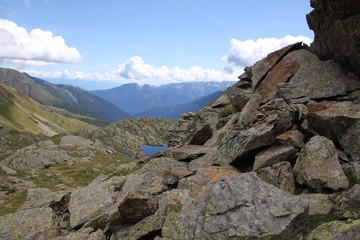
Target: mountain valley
column 136, row 99
column 275, row 156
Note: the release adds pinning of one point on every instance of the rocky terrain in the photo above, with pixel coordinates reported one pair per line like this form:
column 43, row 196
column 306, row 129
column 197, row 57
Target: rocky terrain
column 275, row 156
column 69, row 160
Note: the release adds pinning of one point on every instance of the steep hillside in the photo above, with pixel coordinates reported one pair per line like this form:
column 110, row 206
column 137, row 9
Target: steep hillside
column 134, row 98
column 85, row 100
column 174, row 112
column 22, row 113
column 26, row 85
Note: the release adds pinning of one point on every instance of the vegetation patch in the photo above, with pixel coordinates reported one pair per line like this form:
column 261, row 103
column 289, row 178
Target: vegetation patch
column 13, row 203
column 226, row 111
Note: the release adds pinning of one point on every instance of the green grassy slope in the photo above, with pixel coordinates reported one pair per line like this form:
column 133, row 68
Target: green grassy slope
column 22, row 113
column 26, row 85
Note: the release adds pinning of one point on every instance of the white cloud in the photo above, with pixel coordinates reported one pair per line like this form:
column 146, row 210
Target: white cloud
column 246, row 53
column 34, row 48
column 136, row 70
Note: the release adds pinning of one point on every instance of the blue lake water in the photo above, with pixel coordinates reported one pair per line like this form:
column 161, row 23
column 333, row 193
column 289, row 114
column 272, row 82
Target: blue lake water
column 150, row 150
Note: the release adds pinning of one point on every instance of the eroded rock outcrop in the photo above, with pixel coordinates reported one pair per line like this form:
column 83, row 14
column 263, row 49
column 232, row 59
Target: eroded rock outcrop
column 336, row 25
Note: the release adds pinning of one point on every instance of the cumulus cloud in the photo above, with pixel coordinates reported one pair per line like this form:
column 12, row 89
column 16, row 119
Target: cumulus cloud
column 136, row 70
column 34, row 48
column 246, row 53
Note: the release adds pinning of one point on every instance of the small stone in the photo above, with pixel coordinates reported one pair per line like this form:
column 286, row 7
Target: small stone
column 64, row 224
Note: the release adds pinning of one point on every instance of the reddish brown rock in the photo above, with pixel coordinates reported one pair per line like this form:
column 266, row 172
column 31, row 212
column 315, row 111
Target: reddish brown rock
column 136, row 206
column 261, row 68
column 291, row 138
column 201, row 136
column 315, row 79
column 280, row 73
column 206, row 175
column 339, row 121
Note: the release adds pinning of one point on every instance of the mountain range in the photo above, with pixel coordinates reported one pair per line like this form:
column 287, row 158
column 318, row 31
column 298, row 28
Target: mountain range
column 136, row 99
column 166, row 101
column 174, row 112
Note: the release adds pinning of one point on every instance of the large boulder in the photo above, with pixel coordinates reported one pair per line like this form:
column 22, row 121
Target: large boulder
column 241, row 207
column 314, row 79
column 318, row 166
column 336, row 230
column 95, row 205
column 35, row 223
column 339, row 121
column 34, row 157
column 336, row 27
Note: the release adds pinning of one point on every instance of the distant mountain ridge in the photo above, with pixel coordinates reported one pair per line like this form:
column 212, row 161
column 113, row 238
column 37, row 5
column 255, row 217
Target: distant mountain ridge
column 134, row 98
column 174, row 112
column 84, row 99
column 72, row 99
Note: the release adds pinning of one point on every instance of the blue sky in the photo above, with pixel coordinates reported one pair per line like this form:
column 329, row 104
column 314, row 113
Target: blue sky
column 145, row 41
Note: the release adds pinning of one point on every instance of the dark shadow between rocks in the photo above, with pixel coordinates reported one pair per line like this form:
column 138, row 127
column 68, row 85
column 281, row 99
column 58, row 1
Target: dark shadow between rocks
column 245, row 162
column 151, row 235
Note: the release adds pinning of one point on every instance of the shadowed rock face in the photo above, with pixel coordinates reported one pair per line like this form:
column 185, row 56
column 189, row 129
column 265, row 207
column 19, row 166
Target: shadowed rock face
column 336, row 25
